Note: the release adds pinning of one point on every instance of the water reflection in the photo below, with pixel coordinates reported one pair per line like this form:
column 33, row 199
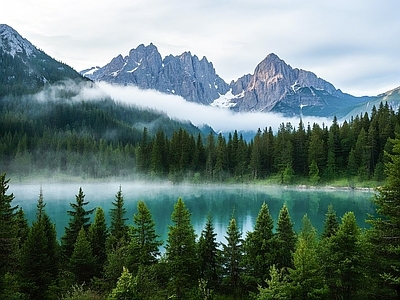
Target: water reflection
column 242, row 201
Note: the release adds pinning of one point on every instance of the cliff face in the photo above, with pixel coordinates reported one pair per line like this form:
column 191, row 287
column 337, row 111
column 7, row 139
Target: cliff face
column 184, row 75
column 274, row 85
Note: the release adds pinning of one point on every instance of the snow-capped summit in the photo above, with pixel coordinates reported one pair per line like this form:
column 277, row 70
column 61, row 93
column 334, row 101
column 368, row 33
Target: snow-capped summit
column 12, row 42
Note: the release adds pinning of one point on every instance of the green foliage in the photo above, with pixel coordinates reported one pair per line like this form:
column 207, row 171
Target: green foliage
column 209, row 257
column 79, row 219
column 8, row 229
column 181, row 252
column 97, row 236
column 277, row 286
column 259, row 249
column 144, row 240
column 385, row 232
column 118, row 228
column 285, row 239
column 82, row 262
column 126, row 287
column 232, row 256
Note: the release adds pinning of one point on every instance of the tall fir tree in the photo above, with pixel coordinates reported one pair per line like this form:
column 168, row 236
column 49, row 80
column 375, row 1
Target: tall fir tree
column 119, row 231
column 259, row 249
column 39, row 259
column 82, row 262
column 306, row 279
column 144, row 242
column 232, row 255
column 181, row 252
column 285, row 239
column 79, row 218
column 209, row 256
column 385, row 232
column 8, row 230
column 331, row 223
column 343, row 261
column 97, row 236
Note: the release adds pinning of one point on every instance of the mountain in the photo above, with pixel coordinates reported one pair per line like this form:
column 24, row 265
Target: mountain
column 26, row 69
column 276, row 86
column 184, row 75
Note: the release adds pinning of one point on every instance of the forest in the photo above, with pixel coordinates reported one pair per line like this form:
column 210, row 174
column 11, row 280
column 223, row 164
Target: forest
column 100, row 139
column 94, row 260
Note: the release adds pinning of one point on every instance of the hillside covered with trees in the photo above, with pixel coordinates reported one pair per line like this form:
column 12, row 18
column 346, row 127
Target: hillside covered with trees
column 99, row 139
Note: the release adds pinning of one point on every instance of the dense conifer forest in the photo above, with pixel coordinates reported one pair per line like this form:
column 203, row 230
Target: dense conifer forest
column 122, row 259
column 98, row 139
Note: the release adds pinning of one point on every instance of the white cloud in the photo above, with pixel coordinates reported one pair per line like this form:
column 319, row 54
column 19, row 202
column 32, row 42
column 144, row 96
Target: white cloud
column 219, row 119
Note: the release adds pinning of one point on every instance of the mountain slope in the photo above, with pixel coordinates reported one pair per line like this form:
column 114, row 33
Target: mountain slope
column 26, row 69
column 184, row 75
column 276, row 86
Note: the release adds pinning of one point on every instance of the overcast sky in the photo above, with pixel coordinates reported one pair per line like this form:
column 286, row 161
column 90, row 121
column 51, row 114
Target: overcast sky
column 352, row 44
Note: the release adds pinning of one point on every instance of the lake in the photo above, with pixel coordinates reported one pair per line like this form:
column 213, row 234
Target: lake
column 243, row 201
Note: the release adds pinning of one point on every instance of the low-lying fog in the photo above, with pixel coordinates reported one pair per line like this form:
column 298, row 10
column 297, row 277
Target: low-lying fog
column 220, row 119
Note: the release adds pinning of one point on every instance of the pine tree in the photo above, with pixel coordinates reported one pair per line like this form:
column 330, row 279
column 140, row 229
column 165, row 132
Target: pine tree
column 232, row 255
column 82, row 262
column 385, row 231
column 118, row 228
column 259, row 248
column 126, row 287
column 285, row 239
column 181, row 252
column 97, row 237
column 343, row 262
column 144, row 243
column 331, row 223
column 79, row 218
column 306, row 276
column 39, row 259
column 209, row 256
column 8, row 232
column 277, row 288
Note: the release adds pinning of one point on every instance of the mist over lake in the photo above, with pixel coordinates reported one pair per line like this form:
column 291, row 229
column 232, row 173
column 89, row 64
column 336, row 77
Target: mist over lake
column 222, row 201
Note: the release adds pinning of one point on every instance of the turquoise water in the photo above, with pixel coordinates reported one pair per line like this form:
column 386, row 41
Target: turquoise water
column 222, row 201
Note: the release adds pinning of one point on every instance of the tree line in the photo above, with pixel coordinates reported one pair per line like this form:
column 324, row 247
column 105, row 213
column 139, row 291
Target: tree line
column 102, row 138
column 122, row 261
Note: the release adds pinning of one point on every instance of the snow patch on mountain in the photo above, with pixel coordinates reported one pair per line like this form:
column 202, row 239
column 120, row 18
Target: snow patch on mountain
column 13, row 43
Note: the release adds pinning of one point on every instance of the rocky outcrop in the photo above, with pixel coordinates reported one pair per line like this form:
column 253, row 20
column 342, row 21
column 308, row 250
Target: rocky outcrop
column 184, row 75
column 276, row 86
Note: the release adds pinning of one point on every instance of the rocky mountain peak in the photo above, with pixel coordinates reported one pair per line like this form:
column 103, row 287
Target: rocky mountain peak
column 12, row 42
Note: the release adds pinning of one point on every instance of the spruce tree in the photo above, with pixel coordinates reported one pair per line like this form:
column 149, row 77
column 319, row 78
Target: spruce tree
column 8, row 230
column 97, row 237
column 39, row 259
column 232, row 255
column 79, row 218
column 144, row 243
column 285, row 239
column 118, row 228
column 209, row 256
column 181, row 252
column 259, row 248
column 306, row 276
column 385, row 232
column 343, row 260
column 82, row 262
column 331, row 223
